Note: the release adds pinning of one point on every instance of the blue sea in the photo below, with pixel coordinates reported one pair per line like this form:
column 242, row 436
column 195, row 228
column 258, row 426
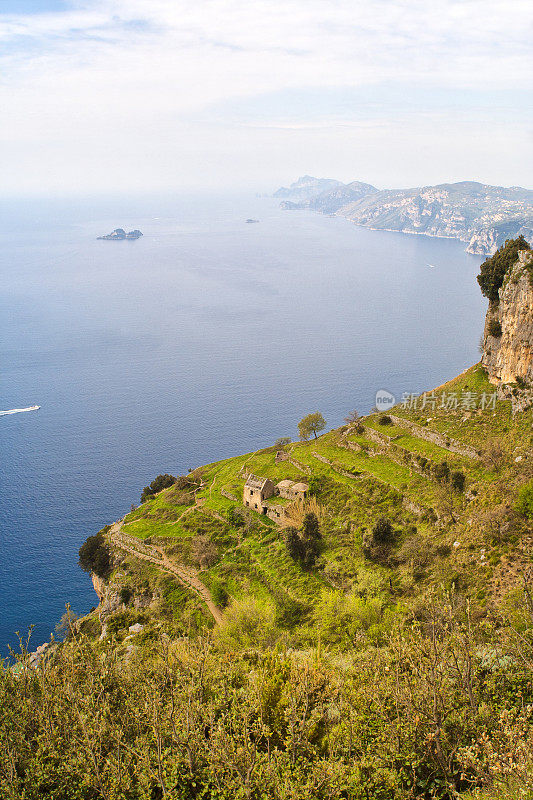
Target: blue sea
column 206, row 338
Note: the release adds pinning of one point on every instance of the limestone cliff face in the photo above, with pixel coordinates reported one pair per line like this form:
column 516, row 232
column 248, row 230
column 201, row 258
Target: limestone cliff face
column 510, row 356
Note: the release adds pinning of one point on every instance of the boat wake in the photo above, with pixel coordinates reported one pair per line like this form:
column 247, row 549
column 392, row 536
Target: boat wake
column 18, row 410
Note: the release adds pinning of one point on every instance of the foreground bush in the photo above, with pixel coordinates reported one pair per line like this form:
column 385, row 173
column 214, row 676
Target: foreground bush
column 432, row 708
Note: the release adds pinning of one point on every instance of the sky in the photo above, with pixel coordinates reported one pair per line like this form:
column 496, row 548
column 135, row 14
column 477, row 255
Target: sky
column 107, row 96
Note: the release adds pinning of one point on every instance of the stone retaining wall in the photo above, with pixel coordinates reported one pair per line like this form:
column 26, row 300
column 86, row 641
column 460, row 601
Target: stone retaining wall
column 452, row 445
column 229, row 496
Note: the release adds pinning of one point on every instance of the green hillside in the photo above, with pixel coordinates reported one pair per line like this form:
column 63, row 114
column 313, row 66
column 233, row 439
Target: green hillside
column 374, row 642
column 358, row 475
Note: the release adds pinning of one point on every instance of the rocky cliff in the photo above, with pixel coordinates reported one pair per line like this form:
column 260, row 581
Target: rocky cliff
column 508, row 335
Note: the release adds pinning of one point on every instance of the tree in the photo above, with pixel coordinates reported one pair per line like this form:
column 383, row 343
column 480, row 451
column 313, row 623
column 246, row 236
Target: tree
column 94, row 556
column 293, row 543
column 493, row 270
column 311, row 538
column 352, row 418
column 311, row 424
column 283, row 441
column 304, row 545
column 157, row 485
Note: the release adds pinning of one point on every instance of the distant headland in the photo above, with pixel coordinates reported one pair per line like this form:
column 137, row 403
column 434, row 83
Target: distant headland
column 120, row 233
column 483, row 216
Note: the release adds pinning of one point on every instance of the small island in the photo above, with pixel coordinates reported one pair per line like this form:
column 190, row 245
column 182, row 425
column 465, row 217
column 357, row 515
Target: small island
column 120, row 233
column 249, row 221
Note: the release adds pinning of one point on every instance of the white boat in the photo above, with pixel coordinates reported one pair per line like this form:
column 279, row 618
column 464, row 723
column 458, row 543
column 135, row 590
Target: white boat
column 19, row 410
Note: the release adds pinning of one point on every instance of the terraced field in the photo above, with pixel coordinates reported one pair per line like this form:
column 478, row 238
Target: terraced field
column 357, row 475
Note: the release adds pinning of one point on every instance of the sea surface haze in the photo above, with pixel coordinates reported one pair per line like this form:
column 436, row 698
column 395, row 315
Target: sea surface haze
column 207, row 338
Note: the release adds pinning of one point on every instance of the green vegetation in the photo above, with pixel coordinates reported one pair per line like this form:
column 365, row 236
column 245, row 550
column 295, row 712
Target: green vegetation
column 95, row 556
column 495, row 328
column 311, row 424
column 378, row 647
column 493, row 270
column 157, row 485
column 524, row 503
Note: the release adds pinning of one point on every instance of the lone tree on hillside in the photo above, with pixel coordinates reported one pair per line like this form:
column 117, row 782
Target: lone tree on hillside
column 352, row 418
column 311, row 424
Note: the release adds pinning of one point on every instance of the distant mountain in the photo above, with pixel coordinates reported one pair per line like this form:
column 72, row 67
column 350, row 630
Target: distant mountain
column 306, row 188
column 481, row 215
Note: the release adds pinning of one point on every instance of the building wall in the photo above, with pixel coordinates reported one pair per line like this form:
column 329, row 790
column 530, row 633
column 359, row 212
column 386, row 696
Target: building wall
column 253, row 498
column 276, row 513
column 290, row 494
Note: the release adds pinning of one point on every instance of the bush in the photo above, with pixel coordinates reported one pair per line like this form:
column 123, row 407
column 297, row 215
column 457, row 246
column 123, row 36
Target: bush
column 495, row 329
column 441, row 472
column 235, row 517
column 94, row 556
column 219, row 595
column 304, row 546
column 125, row 595
column 315, row 484
column 382, row 531
column 157, row 485
column 385, row 420
column 493, row 270
column 458, row 480
column 524, row 503
column 283, row 441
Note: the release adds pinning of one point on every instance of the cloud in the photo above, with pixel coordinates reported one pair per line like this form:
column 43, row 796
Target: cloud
column 111, row 82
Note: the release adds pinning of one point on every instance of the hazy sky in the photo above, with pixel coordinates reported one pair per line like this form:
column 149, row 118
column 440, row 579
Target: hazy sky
column 110, row 95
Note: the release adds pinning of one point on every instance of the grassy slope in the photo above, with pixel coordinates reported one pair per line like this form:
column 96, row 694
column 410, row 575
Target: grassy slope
column 253, row 561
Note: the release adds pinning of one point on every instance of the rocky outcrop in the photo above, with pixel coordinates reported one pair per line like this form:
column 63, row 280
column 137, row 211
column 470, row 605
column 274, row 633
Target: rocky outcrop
column 107, row 595
column 119, row 234
column 508, row 335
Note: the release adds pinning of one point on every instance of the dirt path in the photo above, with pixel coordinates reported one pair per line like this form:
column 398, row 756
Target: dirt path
column 186, row 575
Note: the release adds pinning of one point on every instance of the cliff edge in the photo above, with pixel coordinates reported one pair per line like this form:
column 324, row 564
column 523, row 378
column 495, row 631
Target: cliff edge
column 508, row 334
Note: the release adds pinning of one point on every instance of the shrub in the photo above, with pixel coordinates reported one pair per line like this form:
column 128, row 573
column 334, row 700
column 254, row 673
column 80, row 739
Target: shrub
column 290, row 612
column 125, row 595
column 304, row 546
column 382, row 531
column 441, row 472
column 204, row 551
column 458, row 480
column 94, row 556
column 495, row 329
column 283, row 441
column 384, row 419
column 493, row 270
column 249, row 623
column 157, row 485
column 235, row 517
column 219, row 594
column 315, row 484
column 524, row 503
